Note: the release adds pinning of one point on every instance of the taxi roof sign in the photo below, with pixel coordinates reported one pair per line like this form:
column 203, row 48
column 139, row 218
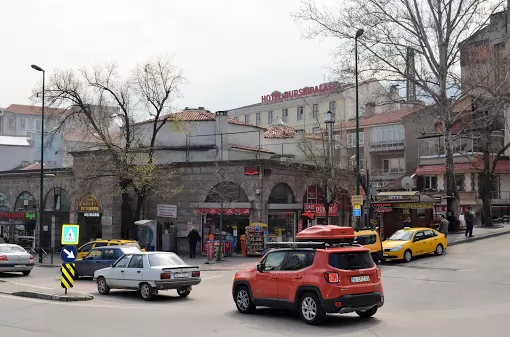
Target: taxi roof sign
column 327, row 234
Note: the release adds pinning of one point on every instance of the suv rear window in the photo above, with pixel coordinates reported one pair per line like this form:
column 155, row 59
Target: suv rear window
column 366, row 239
column 350, row 261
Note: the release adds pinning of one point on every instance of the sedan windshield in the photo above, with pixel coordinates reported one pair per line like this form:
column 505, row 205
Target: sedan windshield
column 12, row 249
column 165, row 259
column 401, row 236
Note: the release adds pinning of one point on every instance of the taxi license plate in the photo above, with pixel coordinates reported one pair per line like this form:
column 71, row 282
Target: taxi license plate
column 358, row 279
column 20, row 266
column 181, row 275
column 385, row 255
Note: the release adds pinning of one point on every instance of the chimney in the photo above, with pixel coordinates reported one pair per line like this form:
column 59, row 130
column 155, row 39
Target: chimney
column 202, row 108
column 221, row 131
column 370, row 109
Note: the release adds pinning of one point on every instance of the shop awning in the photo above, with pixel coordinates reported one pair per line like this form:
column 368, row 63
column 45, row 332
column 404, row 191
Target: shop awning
column 403, row 193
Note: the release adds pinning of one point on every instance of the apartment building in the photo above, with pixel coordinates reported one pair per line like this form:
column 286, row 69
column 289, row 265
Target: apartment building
column 305, row 108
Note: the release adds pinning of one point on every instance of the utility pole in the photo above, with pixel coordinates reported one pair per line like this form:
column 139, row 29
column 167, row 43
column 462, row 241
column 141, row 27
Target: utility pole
column 358, row 34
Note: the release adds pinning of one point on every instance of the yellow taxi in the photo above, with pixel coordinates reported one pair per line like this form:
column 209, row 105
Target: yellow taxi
column 406, row 243
column 370, row 239
column 83, row 250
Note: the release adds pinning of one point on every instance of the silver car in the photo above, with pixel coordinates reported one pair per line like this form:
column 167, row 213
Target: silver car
column 14, row 258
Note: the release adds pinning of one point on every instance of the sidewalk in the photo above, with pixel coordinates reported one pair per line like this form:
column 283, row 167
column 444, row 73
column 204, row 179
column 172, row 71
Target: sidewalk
column 43, row 293
column 479, row 233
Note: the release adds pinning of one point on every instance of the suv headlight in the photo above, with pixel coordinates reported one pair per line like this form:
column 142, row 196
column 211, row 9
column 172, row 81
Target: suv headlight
column 394, row 249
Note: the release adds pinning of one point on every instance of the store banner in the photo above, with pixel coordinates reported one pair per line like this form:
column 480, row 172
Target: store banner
column 443, row 209
column 320, row 210
column 225, row 211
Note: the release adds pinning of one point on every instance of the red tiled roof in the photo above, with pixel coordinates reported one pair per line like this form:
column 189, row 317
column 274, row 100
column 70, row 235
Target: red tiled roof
column 32, row 110
column 383, row 118
column 33, row 166
column 476, row 166
column 279, row 131
column 240, row 147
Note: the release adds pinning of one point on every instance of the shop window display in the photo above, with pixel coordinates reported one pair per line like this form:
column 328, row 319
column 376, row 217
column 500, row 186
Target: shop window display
column 281, row 226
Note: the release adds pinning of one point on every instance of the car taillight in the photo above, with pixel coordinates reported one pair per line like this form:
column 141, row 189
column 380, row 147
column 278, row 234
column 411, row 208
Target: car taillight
column 331, row 277
column 195, row 274
column 378, row 273
column 3, row 258
column 31, row 257
column 165, row 276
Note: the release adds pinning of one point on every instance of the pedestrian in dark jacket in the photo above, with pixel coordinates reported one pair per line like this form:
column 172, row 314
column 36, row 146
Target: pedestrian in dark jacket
column 454, row 223
column 469, row 217
column 193, row 238
column 443, row 225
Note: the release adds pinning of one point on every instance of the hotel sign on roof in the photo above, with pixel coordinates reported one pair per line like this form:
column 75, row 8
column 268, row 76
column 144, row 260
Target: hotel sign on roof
column 299, row 93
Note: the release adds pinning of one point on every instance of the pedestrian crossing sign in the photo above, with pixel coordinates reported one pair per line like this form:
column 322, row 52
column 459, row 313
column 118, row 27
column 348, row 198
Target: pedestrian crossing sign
column 70, row 234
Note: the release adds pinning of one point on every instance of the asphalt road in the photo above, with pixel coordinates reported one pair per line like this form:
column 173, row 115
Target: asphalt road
column 465, row 293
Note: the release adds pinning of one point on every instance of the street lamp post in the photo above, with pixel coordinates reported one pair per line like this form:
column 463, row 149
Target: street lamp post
column 41, row 172
column 358, row 34
column 329, row 119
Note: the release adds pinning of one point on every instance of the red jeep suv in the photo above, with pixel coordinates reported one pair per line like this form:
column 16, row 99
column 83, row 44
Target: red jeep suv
column 326, row 274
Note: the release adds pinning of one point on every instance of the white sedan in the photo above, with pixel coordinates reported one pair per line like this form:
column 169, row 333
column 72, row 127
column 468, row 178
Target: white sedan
column 148, row 272
column 14, row 258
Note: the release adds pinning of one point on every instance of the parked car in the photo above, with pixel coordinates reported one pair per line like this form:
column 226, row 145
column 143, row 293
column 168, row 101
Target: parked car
column 406, row 243
column 86, row 248
column 370, row 239
column 14, row 258
column 148, row 272
column 101, row 257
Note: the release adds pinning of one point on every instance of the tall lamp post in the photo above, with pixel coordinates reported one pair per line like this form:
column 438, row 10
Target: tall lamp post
column 329, row 119
column 41, row 172
column 358, row 34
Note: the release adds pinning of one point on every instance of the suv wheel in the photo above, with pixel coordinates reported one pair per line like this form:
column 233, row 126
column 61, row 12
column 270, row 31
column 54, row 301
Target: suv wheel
column 244, row 303
column 439, row 249
column 367, row 313
column 408, row 256
column 310, row 309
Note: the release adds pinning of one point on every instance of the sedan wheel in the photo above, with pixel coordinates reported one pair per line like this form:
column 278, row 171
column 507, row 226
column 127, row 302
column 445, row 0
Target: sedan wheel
column 408, row 256
column 146, row 291
column 183, row 292
column 26, row 272
column 102, row 286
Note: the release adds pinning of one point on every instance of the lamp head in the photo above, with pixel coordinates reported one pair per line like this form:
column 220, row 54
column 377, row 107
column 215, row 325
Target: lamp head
column 359, row 32
column 37, row 67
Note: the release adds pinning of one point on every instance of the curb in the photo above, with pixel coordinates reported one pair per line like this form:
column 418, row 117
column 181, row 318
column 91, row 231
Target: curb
column 476, row 238
column 52, row 297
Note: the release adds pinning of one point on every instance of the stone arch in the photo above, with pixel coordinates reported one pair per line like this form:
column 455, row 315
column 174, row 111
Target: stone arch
column 4, row 203
column 226, row 192
column 281, row 193
column 25, row 202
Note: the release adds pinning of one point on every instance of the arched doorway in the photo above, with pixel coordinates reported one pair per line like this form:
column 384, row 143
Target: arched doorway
column 23, row 223
column 282, row 212
column 57, row 207
column 226, row 210
column 89, row 218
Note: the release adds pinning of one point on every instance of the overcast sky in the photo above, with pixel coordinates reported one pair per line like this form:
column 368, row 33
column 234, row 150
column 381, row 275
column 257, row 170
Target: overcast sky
column 231, row 52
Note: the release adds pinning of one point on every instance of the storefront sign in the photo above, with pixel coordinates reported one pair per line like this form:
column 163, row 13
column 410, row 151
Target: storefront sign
column 320, row 210
column 89, row 203
column 92, row 215
column 251, row 171
column 225, row 211
column 383, row 208
column 304, row 92
column 166, row 211
column 395, row 197
column 18, row 215
column 444, row 208
column 413, row 205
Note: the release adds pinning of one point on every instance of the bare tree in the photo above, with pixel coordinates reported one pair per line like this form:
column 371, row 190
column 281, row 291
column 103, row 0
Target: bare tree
column 408, row 41
column 107, row 107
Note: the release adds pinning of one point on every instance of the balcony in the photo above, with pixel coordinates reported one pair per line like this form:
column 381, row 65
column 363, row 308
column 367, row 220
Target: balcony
column 394, row 145
column 434, row 147
column 498, row 195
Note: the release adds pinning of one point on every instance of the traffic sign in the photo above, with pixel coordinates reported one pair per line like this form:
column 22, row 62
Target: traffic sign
column 68, row 254
column 356, row 211
column 357, row 199
column 356, row 207
column 68, row 274
column 70, row 234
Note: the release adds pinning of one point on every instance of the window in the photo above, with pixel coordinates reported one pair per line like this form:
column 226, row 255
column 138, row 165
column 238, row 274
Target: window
column 29, row 134
column 246, row 118
column 393, row 165
column 366, row 239
column 136, row 262
column 85, row 248
column 430, row 182
column 300, row 113
column 12, row 249
column 257, row 119
column 94, row 254
column 101, row 244
column 315, row 110
column 419, row 236
column 401, row 235
column 269, row 117
column 165, row 259
column 30, row 124
column 38, row 124
column 430, row 234
column 350, row 261
column 111, row 254
column 388, row 134
column 22, row 123
column 297, row 260
column 351, row 139
column 285, row 115
column 122, row 263
column 459, row 181
column 332, row 107
column 273, row 261
column 12, row 123
column 431, row 147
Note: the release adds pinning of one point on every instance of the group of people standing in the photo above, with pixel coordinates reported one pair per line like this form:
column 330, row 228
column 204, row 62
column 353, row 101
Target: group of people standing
column 451, row 223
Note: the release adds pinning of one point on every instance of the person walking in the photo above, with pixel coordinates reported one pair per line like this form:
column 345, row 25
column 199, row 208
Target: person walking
column 443, row 225
column 193, row 238
column 453, row 222
column 469, row 217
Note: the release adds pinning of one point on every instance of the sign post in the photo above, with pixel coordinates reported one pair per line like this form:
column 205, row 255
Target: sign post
column 68, row 254
column 356, row 201
column 356, row 210
column 68, row 275
column 70, row 234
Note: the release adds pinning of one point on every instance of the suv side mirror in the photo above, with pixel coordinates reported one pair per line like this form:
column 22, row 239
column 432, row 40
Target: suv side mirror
column 260, row 267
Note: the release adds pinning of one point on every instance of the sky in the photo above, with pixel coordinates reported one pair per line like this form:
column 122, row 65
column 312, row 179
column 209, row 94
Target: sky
column 231, row 52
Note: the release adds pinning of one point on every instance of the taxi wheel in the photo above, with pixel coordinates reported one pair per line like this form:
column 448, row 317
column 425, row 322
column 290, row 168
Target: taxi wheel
column 439, row 250
column 367, row 313
column 408, row 256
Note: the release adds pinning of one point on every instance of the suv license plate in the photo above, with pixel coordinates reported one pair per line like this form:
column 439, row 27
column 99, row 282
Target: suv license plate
column 358, row 279
column 20, row 266
column 180, row 275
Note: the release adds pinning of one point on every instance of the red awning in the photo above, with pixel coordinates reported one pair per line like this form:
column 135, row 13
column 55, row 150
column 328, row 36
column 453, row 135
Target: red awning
column 424, row 170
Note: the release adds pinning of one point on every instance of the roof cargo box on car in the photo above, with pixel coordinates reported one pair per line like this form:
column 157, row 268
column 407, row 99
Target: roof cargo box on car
column 329, row 234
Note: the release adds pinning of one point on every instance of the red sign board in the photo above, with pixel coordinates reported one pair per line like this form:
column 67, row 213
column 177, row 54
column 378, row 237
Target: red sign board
column 297, row 93
column 251, row 171
column 225, row 211
column 320, row 210
column 17, row 215
column 383, row 207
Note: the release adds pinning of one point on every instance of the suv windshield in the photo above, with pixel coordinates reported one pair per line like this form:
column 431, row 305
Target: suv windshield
column 349, row 261
column 401, row 235
column 165, row 260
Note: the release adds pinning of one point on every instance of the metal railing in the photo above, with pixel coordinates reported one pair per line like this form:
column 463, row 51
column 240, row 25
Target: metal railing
column 497, row 195
column 387, row 145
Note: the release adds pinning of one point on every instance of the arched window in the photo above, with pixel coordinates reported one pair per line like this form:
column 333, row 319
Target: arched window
column 4, row 203
column 57, row 200
column 25, row 202
column 226, row 192
column 282, row 194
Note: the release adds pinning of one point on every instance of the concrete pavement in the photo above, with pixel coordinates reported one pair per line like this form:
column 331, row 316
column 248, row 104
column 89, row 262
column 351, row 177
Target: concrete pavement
column 464, row 293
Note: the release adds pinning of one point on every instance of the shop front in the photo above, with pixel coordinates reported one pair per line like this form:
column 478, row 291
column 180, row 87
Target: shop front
column 89, row 218
column 315, row 214
column 19, row 225
column 282, row 214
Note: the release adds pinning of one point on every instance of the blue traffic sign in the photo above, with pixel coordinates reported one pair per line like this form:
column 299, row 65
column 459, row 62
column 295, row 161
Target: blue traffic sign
column 356, row 212
column 68, row 254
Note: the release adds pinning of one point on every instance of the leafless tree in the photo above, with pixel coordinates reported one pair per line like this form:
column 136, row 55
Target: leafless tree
column 394, row 30
column 107, row 106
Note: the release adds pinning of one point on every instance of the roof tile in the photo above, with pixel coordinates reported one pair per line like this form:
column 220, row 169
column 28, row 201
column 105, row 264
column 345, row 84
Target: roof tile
column 382, row 118
column 21, row 109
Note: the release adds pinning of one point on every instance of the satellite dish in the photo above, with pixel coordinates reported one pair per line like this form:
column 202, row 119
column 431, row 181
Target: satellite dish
column 407, row 183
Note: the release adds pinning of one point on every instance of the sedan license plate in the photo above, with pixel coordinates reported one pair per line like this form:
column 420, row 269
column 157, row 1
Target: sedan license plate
column 20, row 266
column 181, row 275
column 358, row 279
